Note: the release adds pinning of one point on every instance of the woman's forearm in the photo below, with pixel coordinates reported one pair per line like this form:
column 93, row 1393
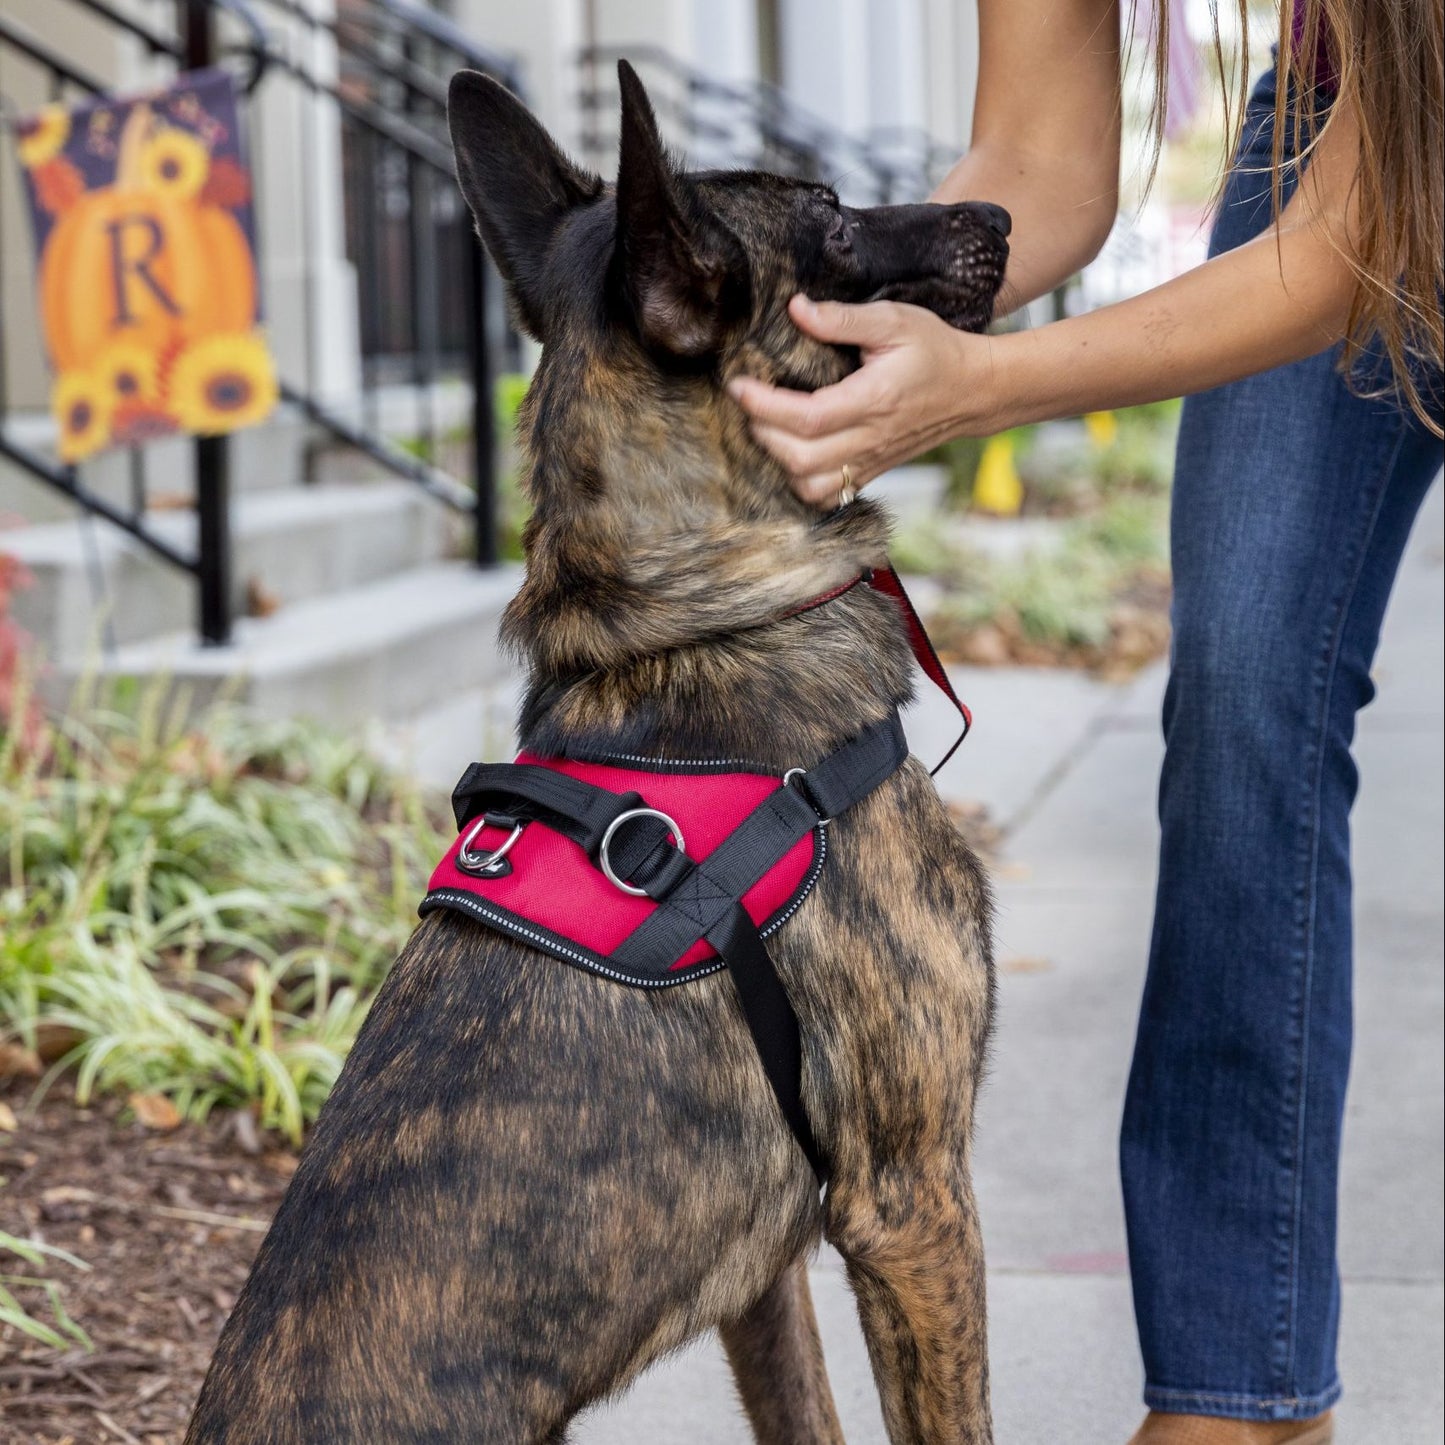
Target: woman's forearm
column 1226, row 319
column 1281, row 297
column 1277, row 299
column 1274, row 300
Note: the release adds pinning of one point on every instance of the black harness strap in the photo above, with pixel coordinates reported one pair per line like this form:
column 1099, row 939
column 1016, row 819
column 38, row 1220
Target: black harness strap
column 848, row 775
column 695, row 903
column 843, row 778
column 772, row 1023
column 577, row 810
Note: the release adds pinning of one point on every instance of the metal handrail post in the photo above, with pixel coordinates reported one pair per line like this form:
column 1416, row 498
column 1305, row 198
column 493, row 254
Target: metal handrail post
column 484, row 448
column 213, row 454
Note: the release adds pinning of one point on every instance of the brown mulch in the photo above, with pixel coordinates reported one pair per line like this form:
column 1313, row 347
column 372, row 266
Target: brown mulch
column 168, row 1220
column 1138, row 635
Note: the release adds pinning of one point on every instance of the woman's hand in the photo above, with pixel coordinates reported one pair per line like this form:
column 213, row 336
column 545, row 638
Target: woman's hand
column 921, row 382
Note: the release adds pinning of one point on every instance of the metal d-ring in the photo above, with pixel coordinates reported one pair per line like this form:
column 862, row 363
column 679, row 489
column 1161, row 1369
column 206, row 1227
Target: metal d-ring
column 803, row 773
column 486, row 864
column 606, row 863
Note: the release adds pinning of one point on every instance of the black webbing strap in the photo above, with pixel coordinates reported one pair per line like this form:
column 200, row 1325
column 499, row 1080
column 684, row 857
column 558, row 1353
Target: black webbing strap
column 703, row 901
column 825, row 791
column 579, row 811
column 847, row 776
column 771, row 1021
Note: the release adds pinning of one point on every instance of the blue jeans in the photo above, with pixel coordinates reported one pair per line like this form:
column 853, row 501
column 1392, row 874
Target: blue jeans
column 1293, row 500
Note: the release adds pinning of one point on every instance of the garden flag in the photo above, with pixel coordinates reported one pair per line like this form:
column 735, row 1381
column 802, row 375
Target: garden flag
column 146, row 266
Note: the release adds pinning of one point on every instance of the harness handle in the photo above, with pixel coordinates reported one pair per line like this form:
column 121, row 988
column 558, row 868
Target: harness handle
column 576, row 809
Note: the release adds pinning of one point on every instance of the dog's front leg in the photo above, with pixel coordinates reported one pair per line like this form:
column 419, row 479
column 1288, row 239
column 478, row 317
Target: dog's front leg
column 777, row 1360
column 916, row 1264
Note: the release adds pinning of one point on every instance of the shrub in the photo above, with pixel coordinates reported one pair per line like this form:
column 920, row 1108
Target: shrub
column 1061, row 594
column 204, row 912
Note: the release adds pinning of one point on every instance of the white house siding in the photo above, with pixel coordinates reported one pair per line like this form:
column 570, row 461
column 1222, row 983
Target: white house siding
column 858, row 65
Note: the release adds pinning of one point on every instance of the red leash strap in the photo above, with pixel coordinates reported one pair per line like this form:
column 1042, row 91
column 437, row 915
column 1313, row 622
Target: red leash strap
column 887, row 581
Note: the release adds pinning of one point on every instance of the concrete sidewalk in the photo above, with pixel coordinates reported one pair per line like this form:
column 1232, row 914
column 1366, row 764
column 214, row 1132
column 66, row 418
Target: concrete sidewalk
column 1070, row 766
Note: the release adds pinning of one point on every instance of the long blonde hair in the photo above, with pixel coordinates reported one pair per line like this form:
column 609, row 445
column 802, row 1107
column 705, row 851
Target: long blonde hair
column 1387, row 59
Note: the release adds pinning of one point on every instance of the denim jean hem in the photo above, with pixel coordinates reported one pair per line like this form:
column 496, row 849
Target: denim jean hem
column 1240, row 1407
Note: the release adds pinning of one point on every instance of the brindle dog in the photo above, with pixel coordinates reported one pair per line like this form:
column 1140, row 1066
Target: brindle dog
column 530, row 1181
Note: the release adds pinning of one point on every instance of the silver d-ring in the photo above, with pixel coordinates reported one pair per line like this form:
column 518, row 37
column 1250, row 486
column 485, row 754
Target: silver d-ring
column 613, row 826
column 484, row 863
column 803, row 773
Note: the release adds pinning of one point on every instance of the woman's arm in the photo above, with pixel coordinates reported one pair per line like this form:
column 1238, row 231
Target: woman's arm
column 1046, row 133
column 1281, row 297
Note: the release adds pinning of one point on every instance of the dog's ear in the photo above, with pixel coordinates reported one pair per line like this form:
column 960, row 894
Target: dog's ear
column 517, row 182
column 682, row 270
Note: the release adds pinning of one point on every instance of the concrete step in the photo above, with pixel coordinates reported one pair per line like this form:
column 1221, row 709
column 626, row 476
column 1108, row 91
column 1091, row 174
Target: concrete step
column 381, row 652
column 476, row 724
column 92, row 580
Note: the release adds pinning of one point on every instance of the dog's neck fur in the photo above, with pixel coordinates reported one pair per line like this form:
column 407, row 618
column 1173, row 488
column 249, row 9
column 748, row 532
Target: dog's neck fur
column 664, row 554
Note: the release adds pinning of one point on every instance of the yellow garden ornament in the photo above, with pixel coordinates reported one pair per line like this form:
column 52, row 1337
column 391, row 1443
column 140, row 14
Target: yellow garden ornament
column 147, row 282
column 997, row 487
column 1103, row 428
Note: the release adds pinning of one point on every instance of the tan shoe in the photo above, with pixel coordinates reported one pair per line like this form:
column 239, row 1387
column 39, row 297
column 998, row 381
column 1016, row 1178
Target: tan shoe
column 1161, row 1429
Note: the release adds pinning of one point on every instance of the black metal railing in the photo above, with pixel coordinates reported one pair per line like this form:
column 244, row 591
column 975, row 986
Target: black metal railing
column 755, row 125
column 432, row 335
column 209, row 566
column 433, row 331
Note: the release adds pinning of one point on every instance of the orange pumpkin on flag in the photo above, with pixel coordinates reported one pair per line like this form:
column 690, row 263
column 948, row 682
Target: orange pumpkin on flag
column 136, row 266
column 143, row 261
column 147, row 286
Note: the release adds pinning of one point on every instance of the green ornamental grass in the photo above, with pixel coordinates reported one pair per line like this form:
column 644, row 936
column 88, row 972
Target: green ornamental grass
column 207, row 909
column 63, row 1332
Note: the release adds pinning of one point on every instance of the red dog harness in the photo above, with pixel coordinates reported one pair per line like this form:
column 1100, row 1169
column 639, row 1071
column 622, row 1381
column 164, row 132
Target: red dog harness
column 657, row 872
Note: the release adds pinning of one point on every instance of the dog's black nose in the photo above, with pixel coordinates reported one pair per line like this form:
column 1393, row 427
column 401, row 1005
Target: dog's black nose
column 997, row 217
